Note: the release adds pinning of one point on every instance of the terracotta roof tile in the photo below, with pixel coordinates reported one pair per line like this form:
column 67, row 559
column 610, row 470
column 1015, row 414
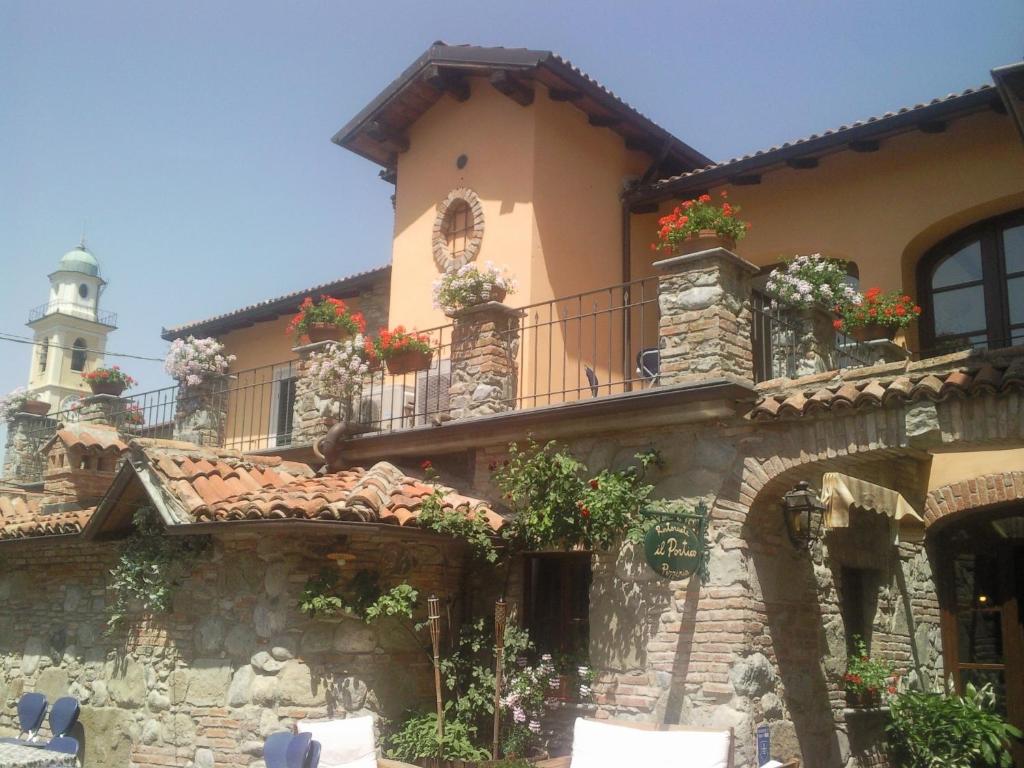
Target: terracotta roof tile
column 22, row 517
column 87, row 436
column 383, row 493
column 964, row 375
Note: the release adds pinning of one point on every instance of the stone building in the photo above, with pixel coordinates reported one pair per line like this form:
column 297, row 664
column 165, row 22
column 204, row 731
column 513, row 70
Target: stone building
column 918, row 444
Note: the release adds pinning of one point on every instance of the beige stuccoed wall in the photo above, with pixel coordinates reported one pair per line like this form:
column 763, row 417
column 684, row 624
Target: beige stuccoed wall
column 955, row 466
column 497, row 136
column 880, row 209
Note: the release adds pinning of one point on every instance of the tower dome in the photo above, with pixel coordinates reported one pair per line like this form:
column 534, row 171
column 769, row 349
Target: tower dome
column 80, row 260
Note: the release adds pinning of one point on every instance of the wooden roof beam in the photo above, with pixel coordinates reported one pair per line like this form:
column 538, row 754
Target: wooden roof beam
column 509, row 85
column 603, row 121
column 564, row 94
column 382, row 134
column 447, row 81
column 802, row 163
column 865, row 145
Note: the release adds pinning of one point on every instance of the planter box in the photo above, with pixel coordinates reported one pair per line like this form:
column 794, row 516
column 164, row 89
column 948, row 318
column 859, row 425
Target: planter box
column 407, row 362
column 35, row 407
column 705, row 240
column 114, row 388
column 873, row 332
column 318, row 332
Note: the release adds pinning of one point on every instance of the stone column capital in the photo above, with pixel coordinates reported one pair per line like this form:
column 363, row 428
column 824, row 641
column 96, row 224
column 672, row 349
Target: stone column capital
column 701, row 259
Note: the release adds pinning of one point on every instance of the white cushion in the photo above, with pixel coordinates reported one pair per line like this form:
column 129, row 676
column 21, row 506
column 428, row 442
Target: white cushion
column 347, row 743
column 606, row 745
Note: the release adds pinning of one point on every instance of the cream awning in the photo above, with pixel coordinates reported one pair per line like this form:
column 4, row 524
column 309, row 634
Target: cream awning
column 840, row 492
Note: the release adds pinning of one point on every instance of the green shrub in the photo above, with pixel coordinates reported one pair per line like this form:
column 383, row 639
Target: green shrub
column 928, row 730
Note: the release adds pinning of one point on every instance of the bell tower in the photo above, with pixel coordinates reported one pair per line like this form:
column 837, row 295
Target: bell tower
column 70, row 330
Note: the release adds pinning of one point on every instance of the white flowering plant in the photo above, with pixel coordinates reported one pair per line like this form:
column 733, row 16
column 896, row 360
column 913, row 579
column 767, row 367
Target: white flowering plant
column 192, row 361
column 470, row 285
column 13, row 403
column 807, row 281
column 339, row 369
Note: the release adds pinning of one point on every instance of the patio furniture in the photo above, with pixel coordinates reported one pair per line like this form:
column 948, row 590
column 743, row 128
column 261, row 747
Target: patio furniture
column 290, row 750
column 31, row 710
column 648, row 364
column 63, row 716
column 348, row 743
column 611, row 744
column 592, row 380
column 24, row 756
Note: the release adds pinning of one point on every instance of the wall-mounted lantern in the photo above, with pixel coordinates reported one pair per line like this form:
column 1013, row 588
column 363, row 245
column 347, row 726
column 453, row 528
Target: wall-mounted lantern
column 803, row 513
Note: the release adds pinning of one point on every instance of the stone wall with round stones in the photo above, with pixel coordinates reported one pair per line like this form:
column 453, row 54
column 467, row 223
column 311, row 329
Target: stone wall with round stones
column 235, row 661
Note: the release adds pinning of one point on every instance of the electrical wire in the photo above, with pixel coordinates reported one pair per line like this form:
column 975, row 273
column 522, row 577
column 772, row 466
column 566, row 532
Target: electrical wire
column 16, row 339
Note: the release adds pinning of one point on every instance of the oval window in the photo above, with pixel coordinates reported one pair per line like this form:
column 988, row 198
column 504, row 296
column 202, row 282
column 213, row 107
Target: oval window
column 83, row 290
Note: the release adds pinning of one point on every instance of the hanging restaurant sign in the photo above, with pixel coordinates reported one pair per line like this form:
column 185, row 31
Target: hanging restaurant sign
column 675, row 545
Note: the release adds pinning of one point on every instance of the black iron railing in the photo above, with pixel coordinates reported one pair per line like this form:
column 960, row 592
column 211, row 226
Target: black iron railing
column 102, row 317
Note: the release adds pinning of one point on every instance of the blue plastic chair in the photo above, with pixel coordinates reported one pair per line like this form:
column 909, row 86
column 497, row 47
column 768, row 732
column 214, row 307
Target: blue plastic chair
column 66, row 744
column 313, row 757
column 297, row 752
column 275, row 749
column 63, row 716
column 31, row 711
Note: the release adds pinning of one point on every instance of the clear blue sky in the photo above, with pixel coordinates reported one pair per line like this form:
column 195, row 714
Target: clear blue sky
column 193, row 138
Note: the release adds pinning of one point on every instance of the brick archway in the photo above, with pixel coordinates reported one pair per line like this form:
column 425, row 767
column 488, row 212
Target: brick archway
column 973, row 494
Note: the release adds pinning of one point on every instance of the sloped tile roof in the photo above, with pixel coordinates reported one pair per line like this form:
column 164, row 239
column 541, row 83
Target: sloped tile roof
column 814, row 395
column 219, row 485
column 86, row 435
column 279, row 304
column 905, row 117
column 20, row 517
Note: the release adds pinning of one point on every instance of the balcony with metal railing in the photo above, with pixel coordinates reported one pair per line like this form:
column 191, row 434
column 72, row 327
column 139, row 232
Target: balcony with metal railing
column 102, row 317
column 577, row 348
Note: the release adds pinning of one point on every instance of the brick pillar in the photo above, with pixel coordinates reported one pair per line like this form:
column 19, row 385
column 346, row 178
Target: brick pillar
column 803, row 342
column 200, row 414
column 485, row 344
column 315, row 411
column 704, row 325
column 26, row 433
column 102, row 409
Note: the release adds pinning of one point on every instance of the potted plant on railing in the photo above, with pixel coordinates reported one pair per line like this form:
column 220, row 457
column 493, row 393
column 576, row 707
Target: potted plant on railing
column 866, row 678
column 336, row 375
column 469, row 286
column 108, row 381
column 877, row 315
column 19, row 401
column 194, row 362
column 326, row 320
column 132, row 416
column 403, row 351
column 699, row 225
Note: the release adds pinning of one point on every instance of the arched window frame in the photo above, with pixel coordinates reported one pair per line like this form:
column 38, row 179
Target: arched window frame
column 78, row 355
column 999, row 331
column 44, row 354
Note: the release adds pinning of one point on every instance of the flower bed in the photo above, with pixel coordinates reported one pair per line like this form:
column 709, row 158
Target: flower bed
column 325, row 320
column 192, row 361
column 699, row 217
column 469, row 285
column 403, row 351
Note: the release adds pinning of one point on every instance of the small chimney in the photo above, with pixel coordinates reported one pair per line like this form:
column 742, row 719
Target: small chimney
column 81, row 462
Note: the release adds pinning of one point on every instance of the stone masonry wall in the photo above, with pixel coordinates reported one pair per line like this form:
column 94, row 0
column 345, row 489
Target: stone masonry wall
column 763, row 641
column 235, row 660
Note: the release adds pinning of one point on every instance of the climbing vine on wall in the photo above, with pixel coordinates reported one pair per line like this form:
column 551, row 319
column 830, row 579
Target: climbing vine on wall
column 150, row 566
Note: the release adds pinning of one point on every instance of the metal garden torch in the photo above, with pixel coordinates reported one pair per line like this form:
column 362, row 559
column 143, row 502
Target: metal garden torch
column 434, row 620
column 500, row 618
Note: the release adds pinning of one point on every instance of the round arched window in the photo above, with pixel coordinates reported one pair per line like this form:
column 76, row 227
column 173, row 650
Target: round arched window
column 971, row 287
column 78, row 350
column 458, row 229
column 83, row 290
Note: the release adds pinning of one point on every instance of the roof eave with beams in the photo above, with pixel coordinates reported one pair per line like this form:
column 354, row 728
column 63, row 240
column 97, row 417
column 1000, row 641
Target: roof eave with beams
column 377, row 132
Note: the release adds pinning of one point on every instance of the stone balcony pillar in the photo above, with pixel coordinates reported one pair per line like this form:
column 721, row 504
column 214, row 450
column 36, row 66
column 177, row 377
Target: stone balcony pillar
column 803, row 342
column 26, row 433
column 201, row 412
column 102, row 409
column 485, row 371
column 704, row 324
column 315, row 411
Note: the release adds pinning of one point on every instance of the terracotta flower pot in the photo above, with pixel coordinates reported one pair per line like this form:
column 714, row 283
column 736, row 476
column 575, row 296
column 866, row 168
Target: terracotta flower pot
column 873, row 332
column 318, row 332
column 35, row 407
column 114, row 388
column 705, row 240
column 863, row 699
column 409, row 361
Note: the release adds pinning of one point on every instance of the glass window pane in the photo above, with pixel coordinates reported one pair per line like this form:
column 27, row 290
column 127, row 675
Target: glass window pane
column 1013, row 248
column 1015, row 291
column 976, row 580
column 959, row 311
column 995, row 678
column 981, row 636
column 964, row 266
